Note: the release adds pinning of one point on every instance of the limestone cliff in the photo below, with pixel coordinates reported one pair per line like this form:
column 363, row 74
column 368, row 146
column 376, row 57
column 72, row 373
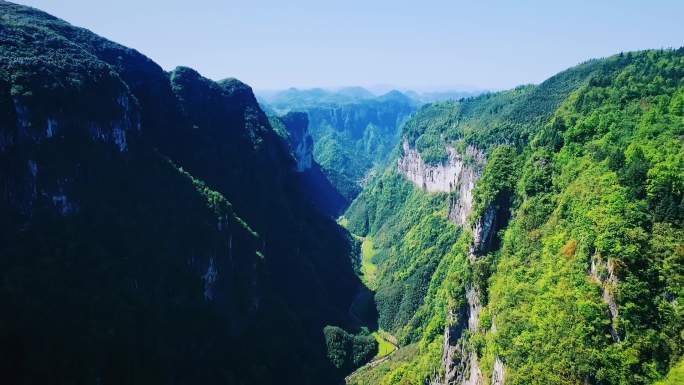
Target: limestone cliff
column 293, row 128
column 603, row 273
column 458, row 176
column 300, row 141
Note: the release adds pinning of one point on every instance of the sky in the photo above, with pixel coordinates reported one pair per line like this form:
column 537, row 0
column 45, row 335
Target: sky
column 424, row 45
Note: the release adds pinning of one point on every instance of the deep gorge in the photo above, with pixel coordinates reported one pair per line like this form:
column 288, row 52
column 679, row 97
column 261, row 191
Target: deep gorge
column 162, row 227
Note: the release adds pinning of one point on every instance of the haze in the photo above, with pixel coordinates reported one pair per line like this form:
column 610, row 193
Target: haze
column 422, row 45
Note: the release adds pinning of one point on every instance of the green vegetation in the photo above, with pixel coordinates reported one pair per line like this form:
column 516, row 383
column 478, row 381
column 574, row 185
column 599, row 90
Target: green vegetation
column 353, row 131
column 394, row 363
column 152, row 229
column 619, row 134
column 125, row 254
column 675, row 377
column 347, row 351
column 385, row 344
column 589, row 167
column 368, row 267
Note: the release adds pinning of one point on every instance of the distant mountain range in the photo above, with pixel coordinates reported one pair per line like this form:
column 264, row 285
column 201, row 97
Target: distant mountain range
column 304, row 96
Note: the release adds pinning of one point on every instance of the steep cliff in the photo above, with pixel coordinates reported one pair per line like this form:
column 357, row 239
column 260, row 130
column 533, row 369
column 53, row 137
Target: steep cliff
column 574, row 215
column 301, row 143
column 315, row 186
column 352, row 131
column 122, row 259
column 457, row 175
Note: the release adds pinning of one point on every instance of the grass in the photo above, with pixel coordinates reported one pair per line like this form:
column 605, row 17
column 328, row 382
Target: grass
column 385, row 345
column 373, row 376
column 368, row 268
column 675, row 377
column 343, row 221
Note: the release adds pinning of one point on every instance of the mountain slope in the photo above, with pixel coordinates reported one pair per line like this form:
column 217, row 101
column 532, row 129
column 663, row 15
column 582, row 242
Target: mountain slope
column 122, row 260
column 533, row 236
column 294, row 128
column 352, row 130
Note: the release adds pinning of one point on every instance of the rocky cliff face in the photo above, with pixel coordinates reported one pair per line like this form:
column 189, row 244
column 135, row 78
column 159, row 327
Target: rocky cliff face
column 315, row 185
column 350, row 138
column 301, row 143
column 462, row 366
column 115, row 183
column 603, row 273
column 458, row 175
column 499, row 372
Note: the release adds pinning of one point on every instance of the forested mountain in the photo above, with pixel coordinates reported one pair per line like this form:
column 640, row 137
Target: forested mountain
column 153, row 225
column 353, row 131
column 160, row 228
column 301, row 99
column 534, row 236
column 293, row 127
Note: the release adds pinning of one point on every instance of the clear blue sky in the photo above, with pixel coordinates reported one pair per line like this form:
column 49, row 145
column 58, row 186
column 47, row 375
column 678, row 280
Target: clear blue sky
column 275, row 43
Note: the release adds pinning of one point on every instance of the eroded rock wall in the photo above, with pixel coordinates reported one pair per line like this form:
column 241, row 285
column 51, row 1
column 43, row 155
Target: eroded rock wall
column 458, row 176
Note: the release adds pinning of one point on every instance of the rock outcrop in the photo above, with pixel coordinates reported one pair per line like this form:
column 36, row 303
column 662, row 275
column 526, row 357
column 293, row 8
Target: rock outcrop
column 499, row 373
column 458, row 175
column 316, row 186
column 483, row 233
column 120, row 189
column 301, row 143
column 603, row 273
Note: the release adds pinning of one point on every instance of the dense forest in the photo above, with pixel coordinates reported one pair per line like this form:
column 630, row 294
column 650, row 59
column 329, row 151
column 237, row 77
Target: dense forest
column 154, row 227
column 353, row 131
column 569, row 268
column 160, row 227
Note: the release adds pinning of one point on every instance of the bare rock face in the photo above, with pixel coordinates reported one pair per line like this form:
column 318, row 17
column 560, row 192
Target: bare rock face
column 458, row 175
column 461, row 367
column 603, row 273
column 498, row 374
column 301, row 142
column 482, row 233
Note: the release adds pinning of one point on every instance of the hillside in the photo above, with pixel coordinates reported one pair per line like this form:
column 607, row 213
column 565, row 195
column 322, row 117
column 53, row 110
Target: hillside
column 293, row 127
column 353, row 131
column 153, row 225
column 534, row 236
column 160, row 227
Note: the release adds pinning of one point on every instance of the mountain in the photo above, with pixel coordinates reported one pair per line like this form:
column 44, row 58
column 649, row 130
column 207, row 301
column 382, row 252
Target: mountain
column 154, row 227
column 294, row 128
column 159, row 227
column 440, row 96
column 534, row 236
column 297, row 99
column 353, row 131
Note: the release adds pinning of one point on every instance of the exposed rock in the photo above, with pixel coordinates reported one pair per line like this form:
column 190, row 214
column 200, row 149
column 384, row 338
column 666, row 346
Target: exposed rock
column 482, row 233
column 603, row 273
column 301, row 143
column 51, row 128
column 209, row 278
column 63, row 205
column 452, row 357
column 458, row 175
column 114, row 131
column 461, row 205
column 474, row 308
column 33, row 167
column 23, row 121
column 475, row 374
column 499, row 373
column 460, row 365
